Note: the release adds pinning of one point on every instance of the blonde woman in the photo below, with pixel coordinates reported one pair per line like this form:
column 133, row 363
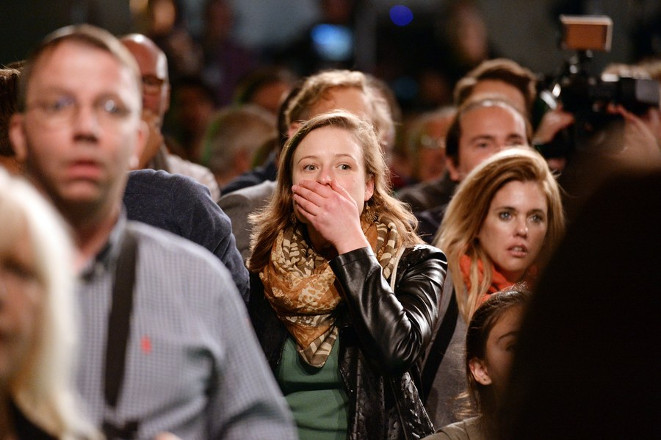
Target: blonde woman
column 498, row 230
column 500, row 226
column 37, row 323
column 343, row 294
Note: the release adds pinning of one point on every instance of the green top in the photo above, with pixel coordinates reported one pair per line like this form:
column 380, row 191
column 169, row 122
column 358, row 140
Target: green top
column 315, row 396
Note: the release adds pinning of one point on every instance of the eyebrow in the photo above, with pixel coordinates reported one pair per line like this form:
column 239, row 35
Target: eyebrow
column 335, row 156
column 482, row 136
column 59, row 90
column 534, row 211
column 53, row 89
column 508, row 334
column 511, row 208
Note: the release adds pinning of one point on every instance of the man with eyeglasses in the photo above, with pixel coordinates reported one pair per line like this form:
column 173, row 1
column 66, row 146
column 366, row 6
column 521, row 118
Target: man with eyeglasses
column 153, row 66
column 166, row 343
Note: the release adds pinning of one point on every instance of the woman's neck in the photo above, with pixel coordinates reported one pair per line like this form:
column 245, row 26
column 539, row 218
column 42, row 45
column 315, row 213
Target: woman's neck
column 322, row 246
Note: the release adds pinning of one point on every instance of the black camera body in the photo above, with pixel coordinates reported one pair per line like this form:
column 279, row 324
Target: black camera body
column 587, row 97
column 583, row 94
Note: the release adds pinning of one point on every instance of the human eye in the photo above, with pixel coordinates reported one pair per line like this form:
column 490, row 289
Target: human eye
column 512, row 343
column 58, row 105
column 516, row 140
column 505, row 215
column 537, row 218
column 112, row 107
column 151, row 81
column 19, row 271
column 344, row 166
column 309, row 167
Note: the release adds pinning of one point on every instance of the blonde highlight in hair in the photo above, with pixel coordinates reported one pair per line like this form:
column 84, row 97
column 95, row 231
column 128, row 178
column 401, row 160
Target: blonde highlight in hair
column 43, row 389
column 278, row 214
column 469, row 207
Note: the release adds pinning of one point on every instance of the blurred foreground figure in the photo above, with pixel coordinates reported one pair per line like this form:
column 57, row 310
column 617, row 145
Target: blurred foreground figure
column 38, row 331
column 589, row 356
column 186, row 361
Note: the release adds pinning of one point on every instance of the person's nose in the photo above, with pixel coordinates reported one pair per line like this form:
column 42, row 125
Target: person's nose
column 521, row 228
column 86, row 119
column 325, row 176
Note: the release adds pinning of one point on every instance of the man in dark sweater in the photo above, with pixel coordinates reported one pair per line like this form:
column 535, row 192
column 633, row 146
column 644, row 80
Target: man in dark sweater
column 184, row 207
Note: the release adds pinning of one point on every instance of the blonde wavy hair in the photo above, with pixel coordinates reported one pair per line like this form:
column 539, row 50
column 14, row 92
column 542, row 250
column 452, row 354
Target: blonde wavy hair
column 278, row 214
column 43, row 387
column 469, row 207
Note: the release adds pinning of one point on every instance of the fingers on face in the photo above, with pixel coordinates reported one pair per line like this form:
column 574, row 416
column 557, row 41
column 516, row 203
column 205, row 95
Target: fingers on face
column 304, row 192
column 340, row 189
column 305, row 206
column 316, row 187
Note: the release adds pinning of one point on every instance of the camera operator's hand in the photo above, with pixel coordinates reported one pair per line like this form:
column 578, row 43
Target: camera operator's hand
column 640, row 146
column 552, row 122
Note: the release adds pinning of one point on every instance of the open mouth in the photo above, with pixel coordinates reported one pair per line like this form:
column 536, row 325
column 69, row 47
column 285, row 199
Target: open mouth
column 518, row 251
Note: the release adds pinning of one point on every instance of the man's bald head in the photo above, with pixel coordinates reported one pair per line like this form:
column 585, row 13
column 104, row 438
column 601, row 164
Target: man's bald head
column 153, row 66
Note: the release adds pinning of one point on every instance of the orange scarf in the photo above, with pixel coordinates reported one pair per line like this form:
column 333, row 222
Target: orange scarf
column 498, row 280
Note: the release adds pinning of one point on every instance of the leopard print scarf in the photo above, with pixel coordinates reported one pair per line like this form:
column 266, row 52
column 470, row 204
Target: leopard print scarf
column 300, row 286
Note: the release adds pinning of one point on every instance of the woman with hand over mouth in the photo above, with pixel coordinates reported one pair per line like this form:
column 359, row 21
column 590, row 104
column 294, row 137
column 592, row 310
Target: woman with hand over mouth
column 344, row 294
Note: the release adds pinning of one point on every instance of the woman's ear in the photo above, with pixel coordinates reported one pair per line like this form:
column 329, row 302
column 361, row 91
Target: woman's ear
column 479, row 371
column 369, row 187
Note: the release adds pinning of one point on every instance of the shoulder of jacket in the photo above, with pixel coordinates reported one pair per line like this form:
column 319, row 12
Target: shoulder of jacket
column 422, row 251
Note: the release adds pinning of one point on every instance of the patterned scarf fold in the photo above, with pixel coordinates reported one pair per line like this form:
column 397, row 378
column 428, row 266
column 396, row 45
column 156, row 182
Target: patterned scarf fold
column 300, row 286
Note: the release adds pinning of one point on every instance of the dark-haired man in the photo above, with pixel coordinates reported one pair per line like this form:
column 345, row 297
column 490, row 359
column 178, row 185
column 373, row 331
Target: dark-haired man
column 479, row 130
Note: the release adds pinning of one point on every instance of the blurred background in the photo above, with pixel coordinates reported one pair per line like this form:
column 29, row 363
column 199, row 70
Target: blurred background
column 419, row 47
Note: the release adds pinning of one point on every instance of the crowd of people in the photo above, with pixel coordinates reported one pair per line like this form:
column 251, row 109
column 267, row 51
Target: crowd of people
column 311, row 262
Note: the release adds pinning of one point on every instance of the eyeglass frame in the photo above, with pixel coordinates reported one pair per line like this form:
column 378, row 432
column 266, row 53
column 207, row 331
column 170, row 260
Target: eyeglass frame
column 65, row 108
column 152, row 84
column 432, row 142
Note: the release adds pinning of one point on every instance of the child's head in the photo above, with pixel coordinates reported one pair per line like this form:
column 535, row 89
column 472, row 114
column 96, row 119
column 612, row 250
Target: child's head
column 490, row 340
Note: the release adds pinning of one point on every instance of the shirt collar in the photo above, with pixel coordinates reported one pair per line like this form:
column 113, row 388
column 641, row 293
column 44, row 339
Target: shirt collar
column 108, row 254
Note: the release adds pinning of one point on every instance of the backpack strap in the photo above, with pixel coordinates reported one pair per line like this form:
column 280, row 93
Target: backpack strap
column 119, row 321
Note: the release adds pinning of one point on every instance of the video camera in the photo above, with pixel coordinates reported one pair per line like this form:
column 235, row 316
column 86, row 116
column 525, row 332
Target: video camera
column 587, row 96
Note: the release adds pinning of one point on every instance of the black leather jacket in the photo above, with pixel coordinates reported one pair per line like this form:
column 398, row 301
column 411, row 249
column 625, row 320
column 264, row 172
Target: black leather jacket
column 382, row 337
